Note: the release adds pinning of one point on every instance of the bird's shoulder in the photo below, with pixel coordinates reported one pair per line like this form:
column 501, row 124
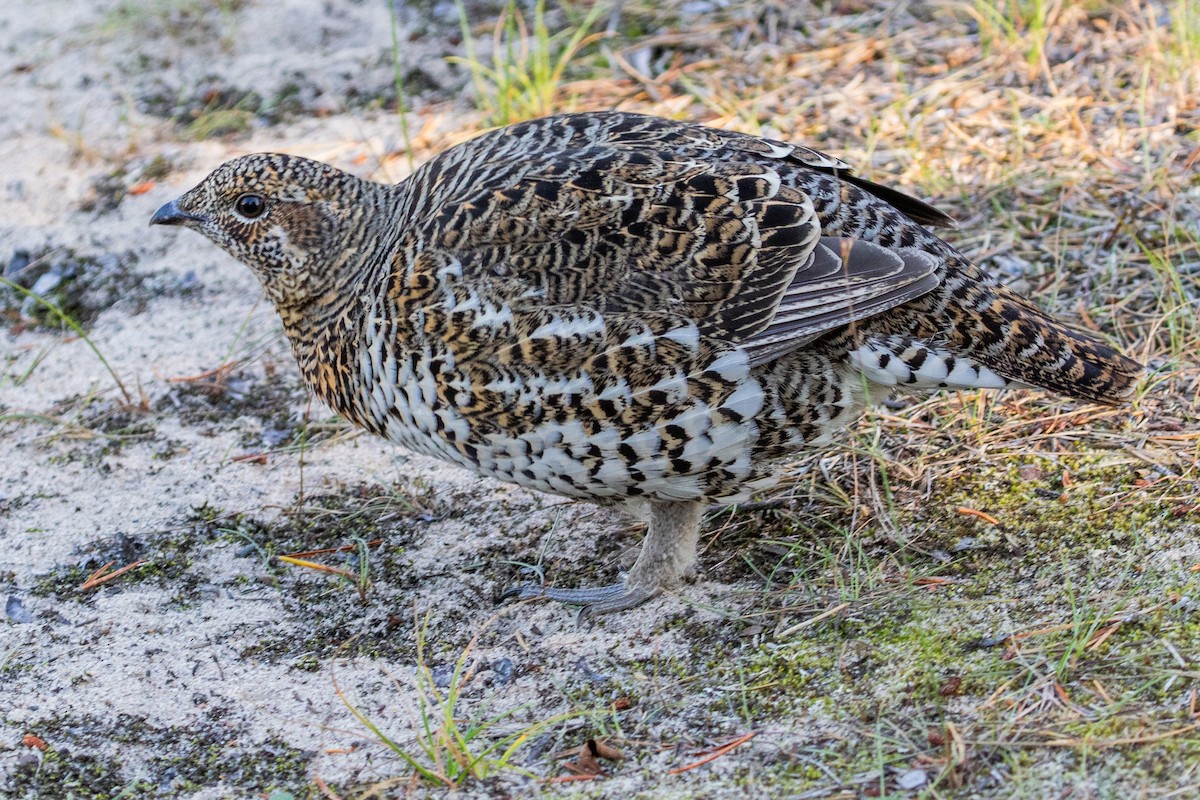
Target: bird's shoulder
column 623, row 217
column 617, row 214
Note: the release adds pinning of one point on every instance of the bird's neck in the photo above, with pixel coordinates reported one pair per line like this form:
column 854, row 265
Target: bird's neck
column 328, row 328
column 316, row 294
column 322, row 336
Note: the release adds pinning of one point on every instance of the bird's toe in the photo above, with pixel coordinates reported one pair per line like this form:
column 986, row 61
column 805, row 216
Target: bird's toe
column 594, row 600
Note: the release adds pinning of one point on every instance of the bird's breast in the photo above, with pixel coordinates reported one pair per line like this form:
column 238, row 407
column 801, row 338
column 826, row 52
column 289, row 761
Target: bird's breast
column 572, row 434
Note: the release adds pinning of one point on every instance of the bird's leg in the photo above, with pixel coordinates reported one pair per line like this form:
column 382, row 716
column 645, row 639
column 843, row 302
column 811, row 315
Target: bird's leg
column 668, row 556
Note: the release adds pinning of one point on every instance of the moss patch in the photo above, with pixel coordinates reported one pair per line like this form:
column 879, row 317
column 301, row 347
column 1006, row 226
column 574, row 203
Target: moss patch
column 972, row 651
column 80, row 285
column 154, row 762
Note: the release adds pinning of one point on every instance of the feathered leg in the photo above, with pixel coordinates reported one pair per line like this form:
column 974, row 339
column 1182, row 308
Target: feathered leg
column 668, row 556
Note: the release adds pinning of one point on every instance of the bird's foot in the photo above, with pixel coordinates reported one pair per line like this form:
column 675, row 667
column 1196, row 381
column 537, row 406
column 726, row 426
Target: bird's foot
column 668, row 556
column 595, row 600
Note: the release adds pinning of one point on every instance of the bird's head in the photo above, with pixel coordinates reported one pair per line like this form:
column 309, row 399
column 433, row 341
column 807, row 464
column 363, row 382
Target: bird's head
column 287, row 218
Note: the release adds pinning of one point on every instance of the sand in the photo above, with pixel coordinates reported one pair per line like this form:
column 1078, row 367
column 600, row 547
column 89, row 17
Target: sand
column 143, row 677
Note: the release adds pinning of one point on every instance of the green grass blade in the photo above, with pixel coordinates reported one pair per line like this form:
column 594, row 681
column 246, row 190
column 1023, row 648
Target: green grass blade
column 73, row 325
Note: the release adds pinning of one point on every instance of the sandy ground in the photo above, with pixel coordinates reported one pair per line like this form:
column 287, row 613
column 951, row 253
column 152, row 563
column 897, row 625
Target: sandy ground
column 212, row 671
column 134, row 675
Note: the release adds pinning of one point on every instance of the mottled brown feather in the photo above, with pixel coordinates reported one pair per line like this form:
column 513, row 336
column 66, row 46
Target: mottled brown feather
column 608, row 288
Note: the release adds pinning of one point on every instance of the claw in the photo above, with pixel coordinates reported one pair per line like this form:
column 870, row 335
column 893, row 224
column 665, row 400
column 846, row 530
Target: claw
column 522, row 591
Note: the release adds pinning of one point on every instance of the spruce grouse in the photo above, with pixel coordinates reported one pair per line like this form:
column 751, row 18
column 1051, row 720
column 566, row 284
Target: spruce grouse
column 625, row 309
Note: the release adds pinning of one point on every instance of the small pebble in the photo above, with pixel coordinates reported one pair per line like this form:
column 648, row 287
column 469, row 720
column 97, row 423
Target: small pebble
column 189, row 282
column 19, row 261
column 502, row 671
column 913, row 779
column 16, row 612
column 273, row 437
column 1031, row 472
column 592, row 675
column 44, row 285
column 443, row 675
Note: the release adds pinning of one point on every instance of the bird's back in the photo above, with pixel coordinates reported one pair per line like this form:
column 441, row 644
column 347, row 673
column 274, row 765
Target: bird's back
column 629, row 213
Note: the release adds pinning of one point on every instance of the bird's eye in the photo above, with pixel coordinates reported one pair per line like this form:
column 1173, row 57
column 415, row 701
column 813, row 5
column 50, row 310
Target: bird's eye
column 250, row 206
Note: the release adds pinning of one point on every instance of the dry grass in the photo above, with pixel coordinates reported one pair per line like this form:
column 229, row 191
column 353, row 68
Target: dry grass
column 1063, row 137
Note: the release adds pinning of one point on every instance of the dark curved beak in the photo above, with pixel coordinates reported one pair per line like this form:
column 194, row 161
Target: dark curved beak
column 172, row 214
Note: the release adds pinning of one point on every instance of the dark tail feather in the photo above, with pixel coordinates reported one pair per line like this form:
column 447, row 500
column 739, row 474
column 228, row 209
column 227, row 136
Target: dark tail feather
column 1042, row 351
column 914, row 209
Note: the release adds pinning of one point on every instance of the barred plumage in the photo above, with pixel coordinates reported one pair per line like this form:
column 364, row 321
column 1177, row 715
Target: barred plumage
column 612, row 306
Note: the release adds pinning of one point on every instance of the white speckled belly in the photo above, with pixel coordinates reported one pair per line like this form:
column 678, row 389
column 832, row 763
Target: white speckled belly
column 564, row 457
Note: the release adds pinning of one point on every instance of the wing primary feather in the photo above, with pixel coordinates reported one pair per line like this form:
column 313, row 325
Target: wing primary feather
column 873, row 280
